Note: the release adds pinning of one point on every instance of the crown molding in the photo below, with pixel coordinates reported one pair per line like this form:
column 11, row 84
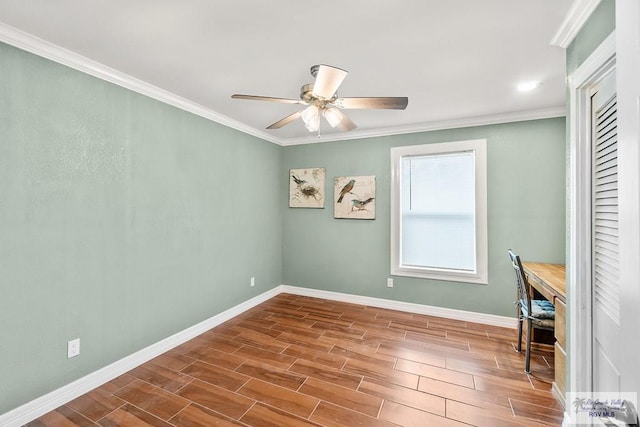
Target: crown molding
column 45, row 49
column 578, row 14
column 516, row 116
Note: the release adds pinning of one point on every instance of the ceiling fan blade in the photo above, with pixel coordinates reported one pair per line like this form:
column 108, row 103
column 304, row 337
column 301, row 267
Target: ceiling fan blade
column 282, row 122
column 387, row 103
column 267, row 98
column 346, row 124
column 327, row 81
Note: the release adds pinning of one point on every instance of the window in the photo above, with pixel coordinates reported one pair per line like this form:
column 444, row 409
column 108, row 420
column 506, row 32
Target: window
column 439, row 211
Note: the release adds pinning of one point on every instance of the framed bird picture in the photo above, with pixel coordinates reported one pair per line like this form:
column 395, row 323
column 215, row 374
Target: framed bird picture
column 306, row 188
column 354, row 197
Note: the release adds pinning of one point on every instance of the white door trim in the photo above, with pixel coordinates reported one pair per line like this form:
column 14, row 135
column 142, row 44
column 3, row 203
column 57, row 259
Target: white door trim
column 599, row 63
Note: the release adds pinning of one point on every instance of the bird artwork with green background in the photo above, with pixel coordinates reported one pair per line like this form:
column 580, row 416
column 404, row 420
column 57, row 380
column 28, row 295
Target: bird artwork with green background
column 354, row 197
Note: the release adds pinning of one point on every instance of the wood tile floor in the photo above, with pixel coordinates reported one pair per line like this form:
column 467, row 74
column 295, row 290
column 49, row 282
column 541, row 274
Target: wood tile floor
column 296, row 361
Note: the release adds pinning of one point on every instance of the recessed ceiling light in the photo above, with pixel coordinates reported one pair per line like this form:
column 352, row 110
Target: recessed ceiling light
column 527, row 86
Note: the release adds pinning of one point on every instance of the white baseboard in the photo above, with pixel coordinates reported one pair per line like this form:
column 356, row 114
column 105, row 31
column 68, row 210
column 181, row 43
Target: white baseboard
column 449, row 313
column 50, row 401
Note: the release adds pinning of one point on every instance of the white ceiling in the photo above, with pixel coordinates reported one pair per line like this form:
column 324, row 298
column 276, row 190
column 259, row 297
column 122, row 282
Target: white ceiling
column 456, row 59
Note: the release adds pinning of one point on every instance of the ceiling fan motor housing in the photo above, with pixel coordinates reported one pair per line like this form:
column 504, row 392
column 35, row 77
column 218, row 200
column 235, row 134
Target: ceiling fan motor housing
column 306, row 94
column 314, row 70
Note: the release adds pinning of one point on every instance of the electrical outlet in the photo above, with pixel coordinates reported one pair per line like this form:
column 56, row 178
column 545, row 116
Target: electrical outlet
column 73, row 348
column 253, row 282
column 389, row 282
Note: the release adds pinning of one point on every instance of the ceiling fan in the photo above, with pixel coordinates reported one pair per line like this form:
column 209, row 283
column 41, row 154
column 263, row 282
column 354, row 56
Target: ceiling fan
column 322, row 99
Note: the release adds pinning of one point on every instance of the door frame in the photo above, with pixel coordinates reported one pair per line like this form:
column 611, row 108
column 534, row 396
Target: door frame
column 579, row 288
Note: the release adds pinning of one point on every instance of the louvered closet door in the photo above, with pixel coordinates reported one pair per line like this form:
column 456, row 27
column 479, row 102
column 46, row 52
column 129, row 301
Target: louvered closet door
column 605, row 254
column 605, row 211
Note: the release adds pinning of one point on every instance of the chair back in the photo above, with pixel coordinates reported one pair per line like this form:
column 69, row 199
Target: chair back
column 521, row 282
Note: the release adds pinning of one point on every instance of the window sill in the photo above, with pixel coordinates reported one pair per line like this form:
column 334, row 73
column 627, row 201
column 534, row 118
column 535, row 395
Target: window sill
column 438, row 274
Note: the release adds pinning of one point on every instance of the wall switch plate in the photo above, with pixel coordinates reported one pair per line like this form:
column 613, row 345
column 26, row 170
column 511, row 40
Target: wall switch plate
column 73, row 348
column 389, row 282
column 253, row 282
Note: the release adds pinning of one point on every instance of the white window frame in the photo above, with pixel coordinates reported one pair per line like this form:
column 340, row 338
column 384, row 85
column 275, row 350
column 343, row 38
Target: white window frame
column 479, row 148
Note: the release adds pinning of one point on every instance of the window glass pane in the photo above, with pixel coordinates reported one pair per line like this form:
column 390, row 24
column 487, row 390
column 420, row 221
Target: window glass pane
column 438, row 211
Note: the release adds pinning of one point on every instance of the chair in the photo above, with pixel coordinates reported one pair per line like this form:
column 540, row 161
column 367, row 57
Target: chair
column 539, row 314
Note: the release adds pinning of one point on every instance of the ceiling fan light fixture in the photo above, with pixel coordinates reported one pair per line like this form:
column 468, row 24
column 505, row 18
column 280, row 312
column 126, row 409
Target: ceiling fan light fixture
column 311, row 118
column 321, row 98
column 333, row 116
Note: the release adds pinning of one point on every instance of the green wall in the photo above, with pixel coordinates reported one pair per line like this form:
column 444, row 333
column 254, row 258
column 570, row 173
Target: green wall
column 599, row 25
column 122, row 221
column 526, row 212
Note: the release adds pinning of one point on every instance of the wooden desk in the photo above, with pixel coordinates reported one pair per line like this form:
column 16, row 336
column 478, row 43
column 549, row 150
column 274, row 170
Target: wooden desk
column 550, row 281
